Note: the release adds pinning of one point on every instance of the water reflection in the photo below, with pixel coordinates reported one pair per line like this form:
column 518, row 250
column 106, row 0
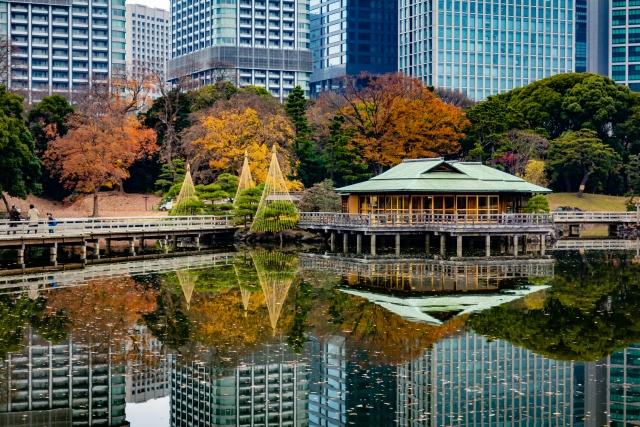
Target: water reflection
column 279, row 338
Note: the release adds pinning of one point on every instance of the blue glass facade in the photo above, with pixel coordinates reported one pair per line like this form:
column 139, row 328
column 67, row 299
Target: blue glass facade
column 624, row 39
column 485, row 47
column 352, row 36
column 581, row 36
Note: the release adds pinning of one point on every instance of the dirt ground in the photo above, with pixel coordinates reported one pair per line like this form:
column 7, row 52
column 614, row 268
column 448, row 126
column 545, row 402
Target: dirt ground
column 110, row 204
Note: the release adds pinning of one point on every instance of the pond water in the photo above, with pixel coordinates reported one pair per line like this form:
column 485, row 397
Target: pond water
column 266, row 337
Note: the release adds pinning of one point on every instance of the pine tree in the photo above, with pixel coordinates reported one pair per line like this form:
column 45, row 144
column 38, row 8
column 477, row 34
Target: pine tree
column 345, row 165
column 310, row 165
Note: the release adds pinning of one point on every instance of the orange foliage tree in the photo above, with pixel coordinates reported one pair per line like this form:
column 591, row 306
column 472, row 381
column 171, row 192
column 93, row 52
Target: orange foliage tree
column 103, row 312
column 103, row 141
column 394, row 117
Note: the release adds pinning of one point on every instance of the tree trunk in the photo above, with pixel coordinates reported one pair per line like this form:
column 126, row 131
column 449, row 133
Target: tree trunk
column 583, row 183
column 95, row 205
column 6, row 202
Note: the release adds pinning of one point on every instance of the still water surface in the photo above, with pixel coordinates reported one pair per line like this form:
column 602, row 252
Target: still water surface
column 283, row 338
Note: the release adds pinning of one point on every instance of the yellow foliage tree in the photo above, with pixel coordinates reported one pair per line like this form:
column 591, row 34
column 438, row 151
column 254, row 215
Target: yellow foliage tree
column 229, row 134
column 534, row 172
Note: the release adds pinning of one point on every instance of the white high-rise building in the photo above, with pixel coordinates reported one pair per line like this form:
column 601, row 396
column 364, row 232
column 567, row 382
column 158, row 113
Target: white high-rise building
column 62, row 46
column 250, row 42
column 147, row 41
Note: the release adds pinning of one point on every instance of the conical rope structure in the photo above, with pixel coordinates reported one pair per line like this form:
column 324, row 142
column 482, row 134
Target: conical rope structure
column 276, row 273
column 276, row 211
column 246, row 181
column 187, row 282
column 187, row 200
column 247, row 278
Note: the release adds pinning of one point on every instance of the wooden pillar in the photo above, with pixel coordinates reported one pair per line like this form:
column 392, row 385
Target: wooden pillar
column 141, row 244
column 197, row 241
column 398, row 244
column 53, row 254
column 175, row 242
column 332, row 241
column 487, row 245
column 345, row 243
column 515, row 245
column 373, row 245
column 443, row 245
column 543, row 244
column 132, row 247
column 359, row 244
column 96, row 248
column 427, row 243
column 525, row 244
column 21, row 251
column 459, row 246
column 83, row 251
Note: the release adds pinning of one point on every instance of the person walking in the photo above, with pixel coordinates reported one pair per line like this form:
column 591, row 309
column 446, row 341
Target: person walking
column 52, row 222
column 14, row 218
column 34, row 216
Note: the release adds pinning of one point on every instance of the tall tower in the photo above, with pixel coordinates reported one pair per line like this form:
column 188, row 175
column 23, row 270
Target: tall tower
column 352, row 36
column 483, row 48
column 250, row 42
column 62, row 46
column 147, row 41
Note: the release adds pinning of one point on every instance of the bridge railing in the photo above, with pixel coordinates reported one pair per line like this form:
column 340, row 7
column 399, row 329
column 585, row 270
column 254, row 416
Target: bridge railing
column 87, row 226
column 595, row 217
column 372, row 221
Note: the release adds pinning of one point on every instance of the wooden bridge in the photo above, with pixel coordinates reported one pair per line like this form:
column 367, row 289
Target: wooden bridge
column 39, row 281
column 596, row 217
column 80, row 231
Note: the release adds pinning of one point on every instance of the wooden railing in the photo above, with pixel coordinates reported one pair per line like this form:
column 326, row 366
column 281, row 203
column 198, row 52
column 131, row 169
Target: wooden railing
column 596, row 217
column 71, row 227
column 42, row 280
column 382, row 221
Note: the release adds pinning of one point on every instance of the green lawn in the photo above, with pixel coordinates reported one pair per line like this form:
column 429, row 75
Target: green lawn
column 588, row 202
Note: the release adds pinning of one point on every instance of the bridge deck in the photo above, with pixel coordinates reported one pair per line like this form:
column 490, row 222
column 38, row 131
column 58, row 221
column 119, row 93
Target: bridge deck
column 81, row 229
column 420, row 223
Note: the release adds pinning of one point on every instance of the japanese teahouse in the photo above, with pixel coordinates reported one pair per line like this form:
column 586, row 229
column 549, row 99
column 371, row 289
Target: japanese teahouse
column 436, row 197
column 437, row 186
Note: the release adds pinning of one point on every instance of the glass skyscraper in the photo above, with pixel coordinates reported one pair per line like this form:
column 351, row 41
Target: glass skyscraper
column 62, row 46
column 352, row 36
column 484, row 47
column 624, row 39
column 250, row 42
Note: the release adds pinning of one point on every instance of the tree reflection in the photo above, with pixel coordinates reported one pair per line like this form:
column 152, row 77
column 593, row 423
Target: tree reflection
column 17, row 312
column 589, row 312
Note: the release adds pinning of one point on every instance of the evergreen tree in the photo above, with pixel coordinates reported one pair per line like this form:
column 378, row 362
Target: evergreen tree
column 310, row 166
column 18, row 163
column 246, row 205
column 47, row 121
column 344, row 164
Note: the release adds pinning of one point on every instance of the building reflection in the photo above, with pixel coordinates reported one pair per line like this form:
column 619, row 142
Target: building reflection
column 267, row 387
column 147, row 374
column 61, row 385
column 429, row 275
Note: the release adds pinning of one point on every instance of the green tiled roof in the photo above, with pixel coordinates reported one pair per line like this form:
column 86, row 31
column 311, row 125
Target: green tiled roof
column 440, row 176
